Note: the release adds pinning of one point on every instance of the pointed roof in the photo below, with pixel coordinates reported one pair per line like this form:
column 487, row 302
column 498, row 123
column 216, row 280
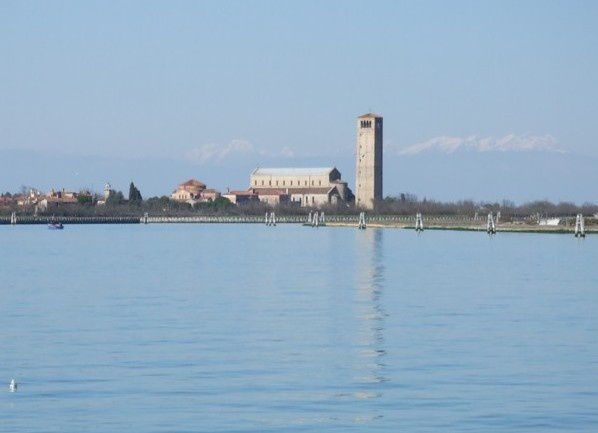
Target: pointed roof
column 364, row 116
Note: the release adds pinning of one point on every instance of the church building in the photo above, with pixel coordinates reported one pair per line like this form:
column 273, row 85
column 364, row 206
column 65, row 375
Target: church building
column 313, row 187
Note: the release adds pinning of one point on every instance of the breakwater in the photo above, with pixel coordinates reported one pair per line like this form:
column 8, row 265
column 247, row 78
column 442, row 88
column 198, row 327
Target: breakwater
column 405, row 220
column 30, row 219
column 232, row 219
column 432, row 222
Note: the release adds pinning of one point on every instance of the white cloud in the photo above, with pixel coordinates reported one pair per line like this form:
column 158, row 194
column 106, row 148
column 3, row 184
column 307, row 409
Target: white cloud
column 508, row 143
column 287, row 152
column 215, row 152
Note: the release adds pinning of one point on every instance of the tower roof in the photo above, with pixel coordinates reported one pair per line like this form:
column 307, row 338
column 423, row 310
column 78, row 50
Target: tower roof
column 363, row 116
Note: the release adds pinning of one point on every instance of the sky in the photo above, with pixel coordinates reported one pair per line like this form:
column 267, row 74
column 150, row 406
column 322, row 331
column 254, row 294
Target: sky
column 203, row 83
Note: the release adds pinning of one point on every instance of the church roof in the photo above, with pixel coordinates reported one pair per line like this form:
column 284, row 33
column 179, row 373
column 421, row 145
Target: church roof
column 193, row 182
column 364, row 116
column 310, row 171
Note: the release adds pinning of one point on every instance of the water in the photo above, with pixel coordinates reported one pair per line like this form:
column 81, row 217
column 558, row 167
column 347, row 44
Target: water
column 239, row 328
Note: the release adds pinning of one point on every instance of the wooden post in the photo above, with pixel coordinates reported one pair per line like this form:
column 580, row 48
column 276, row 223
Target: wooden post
column 490, row 225
column 361, row 224
column 580, row 229
column 421, row 223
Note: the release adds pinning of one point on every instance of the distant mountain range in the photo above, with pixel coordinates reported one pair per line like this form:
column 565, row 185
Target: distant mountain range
column 493, row 175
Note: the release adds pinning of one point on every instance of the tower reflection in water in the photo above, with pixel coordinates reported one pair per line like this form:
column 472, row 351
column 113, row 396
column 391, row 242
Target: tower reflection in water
column 370, row 313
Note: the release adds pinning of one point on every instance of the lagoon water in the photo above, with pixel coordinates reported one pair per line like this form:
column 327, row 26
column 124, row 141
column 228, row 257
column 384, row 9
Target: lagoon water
column 244, row 328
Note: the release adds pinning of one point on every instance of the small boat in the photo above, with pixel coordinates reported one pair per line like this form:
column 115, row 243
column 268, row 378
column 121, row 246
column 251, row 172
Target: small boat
column 55, row 226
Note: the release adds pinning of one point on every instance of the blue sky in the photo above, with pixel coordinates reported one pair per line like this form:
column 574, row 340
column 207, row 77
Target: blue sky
column 205, row 81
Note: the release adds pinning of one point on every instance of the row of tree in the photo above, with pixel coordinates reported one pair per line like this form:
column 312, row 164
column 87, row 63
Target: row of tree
column 407, row 204
column 404, row 204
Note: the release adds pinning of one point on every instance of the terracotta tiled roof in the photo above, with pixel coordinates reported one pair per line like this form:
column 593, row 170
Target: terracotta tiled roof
column 242, row 193
column 194, row 183
column 271, row 191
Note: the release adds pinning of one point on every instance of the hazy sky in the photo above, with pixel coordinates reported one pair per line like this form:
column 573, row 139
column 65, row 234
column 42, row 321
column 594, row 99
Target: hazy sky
column 204, row 80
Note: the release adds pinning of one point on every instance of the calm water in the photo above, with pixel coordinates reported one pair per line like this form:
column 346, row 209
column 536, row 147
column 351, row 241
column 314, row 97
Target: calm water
column 238, row 328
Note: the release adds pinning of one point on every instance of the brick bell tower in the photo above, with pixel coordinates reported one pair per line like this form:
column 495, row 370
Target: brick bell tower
column 368, row 174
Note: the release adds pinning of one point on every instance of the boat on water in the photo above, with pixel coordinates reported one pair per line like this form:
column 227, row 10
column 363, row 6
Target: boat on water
column 55, row 226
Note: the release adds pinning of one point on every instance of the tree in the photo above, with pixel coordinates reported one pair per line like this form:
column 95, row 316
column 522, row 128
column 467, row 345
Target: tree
column 85, row 199
column 134, row 195
column 221, row 204
column 115, row 199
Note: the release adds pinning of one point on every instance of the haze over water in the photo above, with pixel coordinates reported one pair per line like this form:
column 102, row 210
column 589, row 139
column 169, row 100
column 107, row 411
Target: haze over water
column 220, row 328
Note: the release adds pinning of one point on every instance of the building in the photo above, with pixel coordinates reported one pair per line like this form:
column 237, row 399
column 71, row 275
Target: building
column 32, row 198
column 194, row 191
column 304, row 186
column 368, row 173
column 210, row 194
column 6, row 201
column 549, row 222
column 272, row 196
column 241, row 197
column 108, row 192
column 59, row 198
column 55, row 202
column 190, row 190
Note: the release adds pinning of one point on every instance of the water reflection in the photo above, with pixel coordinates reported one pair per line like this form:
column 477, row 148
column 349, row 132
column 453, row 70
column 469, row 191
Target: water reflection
column 370, row 310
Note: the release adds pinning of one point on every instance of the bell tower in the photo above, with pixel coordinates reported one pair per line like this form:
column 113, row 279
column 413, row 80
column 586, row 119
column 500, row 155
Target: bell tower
column 368, row 174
